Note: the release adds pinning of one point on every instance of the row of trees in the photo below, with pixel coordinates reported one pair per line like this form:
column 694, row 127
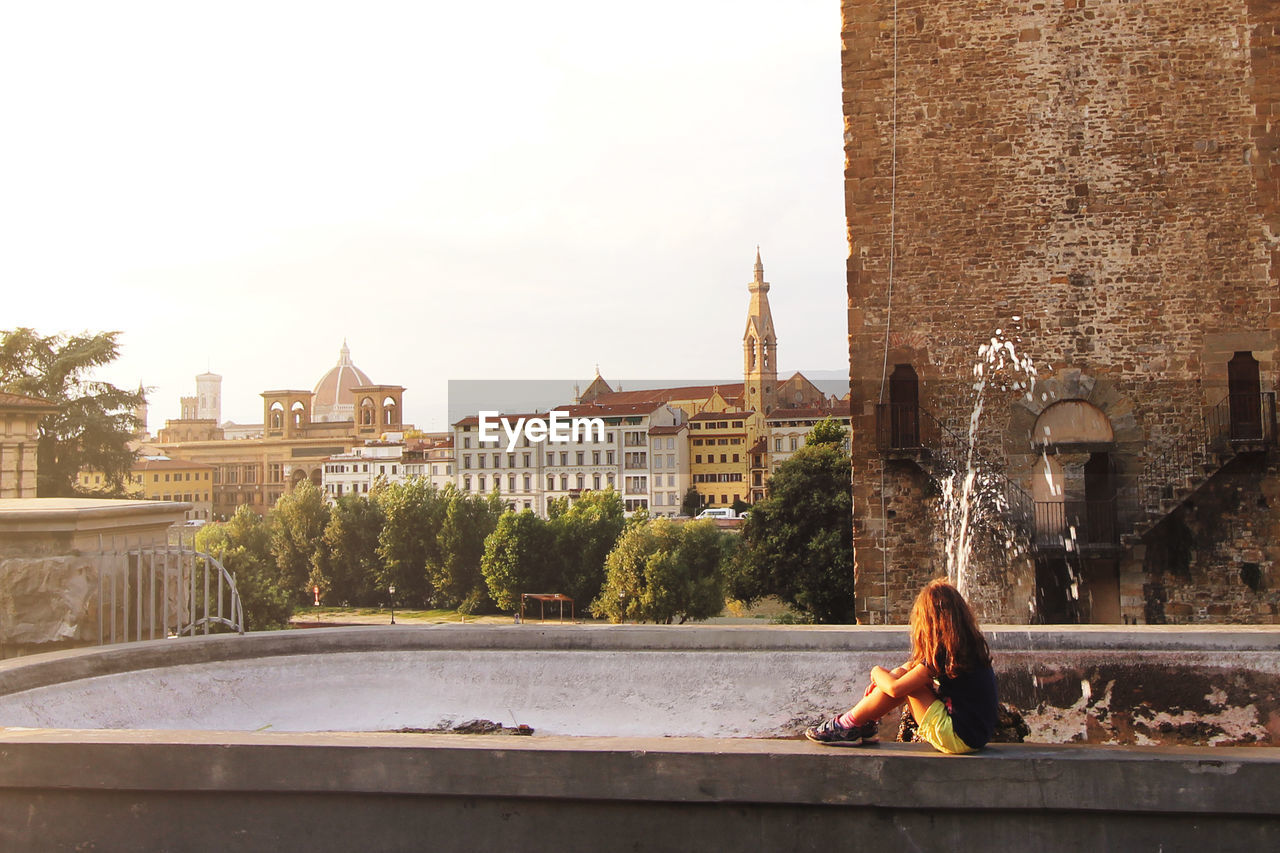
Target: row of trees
column 427, row 542
column 443, row 548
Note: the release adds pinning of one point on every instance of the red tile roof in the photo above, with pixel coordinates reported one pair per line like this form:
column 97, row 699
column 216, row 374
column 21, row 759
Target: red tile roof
column 22, row 401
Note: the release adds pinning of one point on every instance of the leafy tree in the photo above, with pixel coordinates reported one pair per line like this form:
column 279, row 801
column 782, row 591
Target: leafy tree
column 797, row 543
column 346, row 565
column 662, row 572
column 519, row 557
column 94, row 421
column 243, row 546
column 584, row 535
column 827, row 431
column 690, row 504
column 414, row 511
column 456, row 577
column 297, row 523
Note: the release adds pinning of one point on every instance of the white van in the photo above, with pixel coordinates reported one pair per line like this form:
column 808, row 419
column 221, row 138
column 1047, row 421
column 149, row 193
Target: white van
column 725, row 512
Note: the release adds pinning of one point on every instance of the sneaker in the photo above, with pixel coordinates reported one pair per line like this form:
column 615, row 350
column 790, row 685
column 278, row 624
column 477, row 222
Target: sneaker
column 830, row 731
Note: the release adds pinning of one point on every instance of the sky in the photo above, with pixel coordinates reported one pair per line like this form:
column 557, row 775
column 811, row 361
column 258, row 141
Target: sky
column 500, row 190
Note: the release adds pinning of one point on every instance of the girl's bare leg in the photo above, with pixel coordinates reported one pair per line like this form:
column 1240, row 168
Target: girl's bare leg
column 876, row 703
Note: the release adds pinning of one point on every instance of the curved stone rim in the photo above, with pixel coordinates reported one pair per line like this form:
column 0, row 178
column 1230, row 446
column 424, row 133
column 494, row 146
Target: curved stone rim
column 26, row 673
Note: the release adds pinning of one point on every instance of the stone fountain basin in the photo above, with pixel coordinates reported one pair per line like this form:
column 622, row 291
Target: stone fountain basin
column 1134, row 685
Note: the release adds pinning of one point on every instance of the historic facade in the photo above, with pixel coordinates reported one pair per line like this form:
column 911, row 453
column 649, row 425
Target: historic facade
column 1089, row 188
column 300, row 430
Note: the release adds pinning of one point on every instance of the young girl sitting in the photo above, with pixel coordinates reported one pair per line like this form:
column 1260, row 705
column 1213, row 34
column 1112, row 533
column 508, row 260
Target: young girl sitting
column 948, row 683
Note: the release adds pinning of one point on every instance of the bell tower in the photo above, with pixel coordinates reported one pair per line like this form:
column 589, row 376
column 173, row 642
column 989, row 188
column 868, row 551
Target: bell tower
column 759, row 348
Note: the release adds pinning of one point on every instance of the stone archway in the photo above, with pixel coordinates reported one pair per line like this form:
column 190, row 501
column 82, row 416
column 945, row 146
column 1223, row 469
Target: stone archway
column 1075, row 444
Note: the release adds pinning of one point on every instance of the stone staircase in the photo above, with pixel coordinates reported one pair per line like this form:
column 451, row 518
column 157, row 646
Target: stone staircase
column 1171, row 477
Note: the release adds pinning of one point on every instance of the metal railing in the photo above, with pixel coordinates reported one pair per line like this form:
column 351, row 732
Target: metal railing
column 899, row 426
column 908, row 428
column 1242, row 419
column 1075, row 525
column 164, row 591
column 1238, row 423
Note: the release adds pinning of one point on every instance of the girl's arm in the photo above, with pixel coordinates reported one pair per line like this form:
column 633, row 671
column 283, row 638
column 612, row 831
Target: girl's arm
column 902, row 681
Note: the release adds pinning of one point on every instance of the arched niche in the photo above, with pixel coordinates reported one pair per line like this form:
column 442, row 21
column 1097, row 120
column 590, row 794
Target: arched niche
column 1072, row 422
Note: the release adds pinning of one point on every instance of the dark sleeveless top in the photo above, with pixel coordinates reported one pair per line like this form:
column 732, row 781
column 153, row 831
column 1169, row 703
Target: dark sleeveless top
column 973, row 704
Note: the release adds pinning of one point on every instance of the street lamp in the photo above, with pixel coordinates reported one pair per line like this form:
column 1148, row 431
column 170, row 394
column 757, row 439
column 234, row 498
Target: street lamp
column 392, row 590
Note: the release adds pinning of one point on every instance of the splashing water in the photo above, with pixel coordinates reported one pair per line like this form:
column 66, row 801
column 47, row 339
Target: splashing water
column 971, row 494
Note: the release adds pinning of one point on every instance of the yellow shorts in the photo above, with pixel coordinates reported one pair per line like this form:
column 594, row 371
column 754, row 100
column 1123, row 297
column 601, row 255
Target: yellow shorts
column 936, row 729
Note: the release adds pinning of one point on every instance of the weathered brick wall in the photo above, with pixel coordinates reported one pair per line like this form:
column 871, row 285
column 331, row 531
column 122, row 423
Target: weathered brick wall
column 1103, row 171
column 1214, row 559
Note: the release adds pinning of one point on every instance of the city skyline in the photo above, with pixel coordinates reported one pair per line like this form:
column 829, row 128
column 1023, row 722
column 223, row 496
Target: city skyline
column 455, row 198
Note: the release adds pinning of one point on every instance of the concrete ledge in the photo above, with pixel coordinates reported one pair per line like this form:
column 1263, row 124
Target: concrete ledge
column 135, row 790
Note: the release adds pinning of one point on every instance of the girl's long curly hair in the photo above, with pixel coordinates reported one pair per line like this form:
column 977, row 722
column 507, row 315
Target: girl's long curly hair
column 944, row 632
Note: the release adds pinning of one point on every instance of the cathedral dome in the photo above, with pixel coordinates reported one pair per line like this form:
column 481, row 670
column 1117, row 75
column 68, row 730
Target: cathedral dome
column 332, row 400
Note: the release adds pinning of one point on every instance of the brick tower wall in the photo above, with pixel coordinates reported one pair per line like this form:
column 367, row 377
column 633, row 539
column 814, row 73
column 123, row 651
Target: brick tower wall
column 1105, row 172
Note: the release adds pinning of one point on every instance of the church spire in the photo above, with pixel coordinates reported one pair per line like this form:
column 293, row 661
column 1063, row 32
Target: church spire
column 759, row 347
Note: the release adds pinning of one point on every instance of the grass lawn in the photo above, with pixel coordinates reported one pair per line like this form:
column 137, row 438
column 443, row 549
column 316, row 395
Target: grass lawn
column 763, row 613
column 313, row 616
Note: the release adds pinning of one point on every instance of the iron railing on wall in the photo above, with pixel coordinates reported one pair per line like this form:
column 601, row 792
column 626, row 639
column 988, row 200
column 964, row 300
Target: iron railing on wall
column 1242, row 420
column 163, row 591
column 1072, row 525
column 908, row 428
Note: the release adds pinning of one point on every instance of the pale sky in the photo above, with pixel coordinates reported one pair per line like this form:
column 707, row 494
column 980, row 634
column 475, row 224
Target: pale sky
column 462, row 191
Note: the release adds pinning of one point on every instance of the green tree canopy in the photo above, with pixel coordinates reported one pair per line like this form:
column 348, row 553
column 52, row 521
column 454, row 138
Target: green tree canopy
column 346, row 565
column 94, row 421
column 661, row 571
column 690, row 504
column 456, row 577
column 827, row 431
column 519, row 556
column 584, row 534
column 797, row 543
column 414, row 511
column 297, row 524
column 243, row 546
